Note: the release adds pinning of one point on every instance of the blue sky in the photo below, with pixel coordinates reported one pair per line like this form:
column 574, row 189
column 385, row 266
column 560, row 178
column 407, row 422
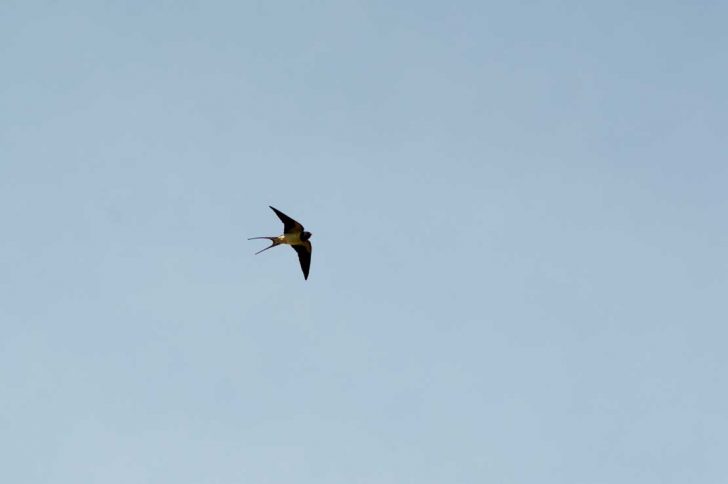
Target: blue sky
column 520, row 259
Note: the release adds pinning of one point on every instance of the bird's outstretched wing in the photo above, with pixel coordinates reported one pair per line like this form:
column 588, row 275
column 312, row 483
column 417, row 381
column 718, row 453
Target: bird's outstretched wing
column 304, row 256
column 289, row 225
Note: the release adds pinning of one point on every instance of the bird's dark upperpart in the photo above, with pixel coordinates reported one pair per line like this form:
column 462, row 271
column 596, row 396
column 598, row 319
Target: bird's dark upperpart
column 305, row 235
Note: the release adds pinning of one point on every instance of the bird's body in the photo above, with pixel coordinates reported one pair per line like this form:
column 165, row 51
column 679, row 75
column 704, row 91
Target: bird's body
column 296, row 237
column 290, row 239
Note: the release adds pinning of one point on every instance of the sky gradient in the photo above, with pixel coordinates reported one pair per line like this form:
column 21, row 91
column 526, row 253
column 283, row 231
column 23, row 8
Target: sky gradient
column 520, row 247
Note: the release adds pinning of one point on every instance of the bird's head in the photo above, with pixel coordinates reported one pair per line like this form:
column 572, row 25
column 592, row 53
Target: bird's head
column 306, row 235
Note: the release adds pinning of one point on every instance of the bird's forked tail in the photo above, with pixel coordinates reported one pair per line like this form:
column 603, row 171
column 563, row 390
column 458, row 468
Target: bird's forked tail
column 274, row 241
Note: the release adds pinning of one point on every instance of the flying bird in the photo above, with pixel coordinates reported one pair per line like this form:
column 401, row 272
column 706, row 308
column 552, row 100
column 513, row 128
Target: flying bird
column 293, row 235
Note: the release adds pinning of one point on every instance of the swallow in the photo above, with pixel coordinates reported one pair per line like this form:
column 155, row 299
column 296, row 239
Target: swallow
column 293, row 235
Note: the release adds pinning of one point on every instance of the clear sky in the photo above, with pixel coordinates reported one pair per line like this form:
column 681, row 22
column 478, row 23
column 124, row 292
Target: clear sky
column 519, row 217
